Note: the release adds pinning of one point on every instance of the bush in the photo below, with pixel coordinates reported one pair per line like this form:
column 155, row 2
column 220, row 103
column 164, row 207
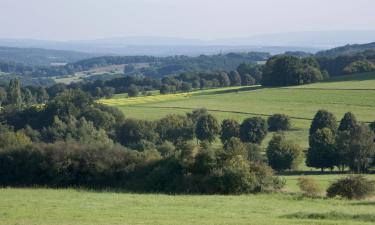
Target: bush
column 352, row 187
column 279, row 122
column 309, row 187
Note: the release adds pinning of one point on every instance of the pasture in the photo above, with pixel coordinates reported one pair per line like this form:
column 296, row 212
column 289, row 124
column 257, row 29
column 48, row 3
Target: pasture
column 81, row 207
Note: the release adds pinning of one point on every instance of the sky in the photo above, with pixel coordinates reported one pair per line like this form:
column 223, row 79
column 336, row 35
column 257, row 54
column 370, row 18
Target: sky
column 201, row 19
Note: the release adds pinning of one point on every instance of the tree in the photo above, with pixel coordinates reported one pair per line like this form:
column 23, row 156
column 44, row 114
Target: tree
column 207, row 128
column 253, row 130
column 196, row 114
column 348, row 122
column 175, row 128
column 14, row 92
column 235, row 78
column 186, row 87
column 132, row 132
column 323, row 119
column 357, row 147
column 224, row 79
column 283, row 154
column 322, row 151
column 247, row 79
column 229, row 128
column 278, row 122
column 133, row 91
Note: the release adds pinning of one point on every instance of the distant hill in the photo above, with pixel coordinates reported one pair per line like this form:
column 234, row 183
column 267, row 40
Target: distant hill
column 41, row 57
column 347, row 50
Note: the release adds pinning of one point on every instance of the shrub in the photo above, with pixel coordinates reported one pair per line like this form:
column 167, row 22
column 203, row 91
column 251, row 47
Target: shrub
column 351, row 187
column 309, row 187
column 278, row 122
column 229, row 129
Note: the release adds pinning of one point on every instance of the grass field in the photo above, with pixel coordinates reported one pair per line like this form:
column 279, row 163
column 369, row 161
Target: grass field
column 75, row 207
column 354, row 93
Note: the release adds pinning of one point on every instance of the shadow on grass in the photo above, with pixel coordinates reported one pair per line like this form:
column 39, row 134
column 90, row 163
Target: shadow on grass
column 331, row 216
column 364, row 203
column 242, row 89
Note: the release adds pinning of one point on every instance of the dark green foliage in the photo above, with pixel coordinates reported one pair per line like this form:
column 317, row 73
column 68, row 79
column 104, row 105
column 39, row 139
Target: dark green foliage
column 352, row 187
column 67, row 164
column 207, row 128
column 348, row 122
column 234, row 78
column 133, row 91
column 132, row 132
column 360, row 66
column 229, row 128
column 253, row 130
column 14, row 92
column 372, row 126
column 279, row 122
column 283, row 154
column 196, row 114
column 175, row 128
column 285, row 70
column 322, row 152
column 357, row 147
column 323, row 119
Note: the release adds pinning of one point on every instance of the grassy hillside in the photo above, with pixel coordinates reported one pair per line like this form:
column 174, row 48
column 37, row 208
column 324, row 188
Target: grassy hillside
column 73, row 207
column 340, row 95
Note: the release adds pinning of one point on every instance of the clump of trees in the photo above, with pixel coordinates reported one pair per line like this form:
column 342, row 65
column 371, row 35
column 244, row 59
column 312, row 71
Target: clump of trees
column 285, row 70
column 73, row 141
column 279, row 122
column 351, row 144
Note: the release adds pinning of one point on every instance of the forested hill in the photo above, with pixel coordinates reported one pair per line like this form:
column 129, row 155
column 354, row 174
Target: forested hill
column 41, row 57
column 347, row 50
column 161, row 66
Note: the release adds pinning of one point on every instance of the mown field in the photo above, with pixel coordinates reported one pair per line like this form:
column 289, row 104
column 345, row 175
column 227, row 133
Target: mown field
column 354, row 93
column 79, row 207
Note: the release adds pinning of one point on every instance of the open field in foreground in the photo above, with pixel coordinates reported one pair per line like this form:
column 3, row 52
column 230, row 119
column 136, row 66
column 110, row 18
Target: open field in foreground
column 354, row 93
column 74, row 207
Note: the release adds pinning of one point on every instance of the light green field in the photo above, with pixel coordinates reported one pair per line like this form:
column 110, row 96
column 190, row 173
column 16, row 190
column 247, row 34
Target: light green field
column 73, row 207
column 340, row 95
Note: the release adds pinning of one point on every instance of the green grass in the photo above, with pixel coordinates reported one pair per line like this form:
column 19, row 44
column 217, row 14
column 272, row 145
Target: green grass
column 74, row 207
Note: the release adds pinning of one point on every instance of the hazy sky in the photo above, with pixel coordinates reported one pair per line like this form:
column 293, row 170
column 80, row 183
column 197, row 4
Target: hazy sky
column 205, row 19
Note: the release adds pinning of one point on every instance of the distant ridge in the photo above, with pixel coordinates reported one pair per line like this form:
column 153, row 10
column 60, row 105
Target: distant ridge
column 347, row 49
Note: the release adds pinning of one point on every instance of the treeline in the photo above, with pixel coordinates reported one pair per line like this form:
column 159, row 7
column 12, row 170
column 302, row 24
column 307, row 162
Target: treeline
column 156, row 67
column 245, row 74
column 72, row 141
column 349, row 64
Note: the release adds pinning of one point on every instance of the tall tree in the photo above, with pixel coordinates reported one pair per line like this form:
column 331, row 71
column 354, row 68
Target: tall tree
column 323, row 119
column 322, row 151
column 348, row 122
column 14, row 92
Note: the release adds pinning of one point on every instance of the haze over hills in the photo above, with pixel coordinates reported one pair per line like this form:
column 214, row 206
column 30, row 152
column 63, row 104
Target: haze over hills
column 165, row 46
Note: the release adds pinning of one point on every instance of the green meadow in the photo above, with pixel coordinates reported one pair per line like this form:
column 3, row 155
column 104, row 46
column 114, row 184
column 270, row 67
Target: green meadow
column 80, row 207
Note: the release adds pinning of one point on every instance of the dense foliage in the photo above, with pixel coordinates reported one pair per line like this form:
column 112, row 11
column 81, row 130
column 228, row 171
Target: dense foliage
column 352, row 187
column 284, row 70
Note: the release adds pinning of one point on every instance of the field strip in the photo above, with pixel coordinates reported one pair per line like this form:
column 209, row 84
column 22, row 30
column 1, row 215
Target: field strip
column 328, row 89
column 227, row 111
